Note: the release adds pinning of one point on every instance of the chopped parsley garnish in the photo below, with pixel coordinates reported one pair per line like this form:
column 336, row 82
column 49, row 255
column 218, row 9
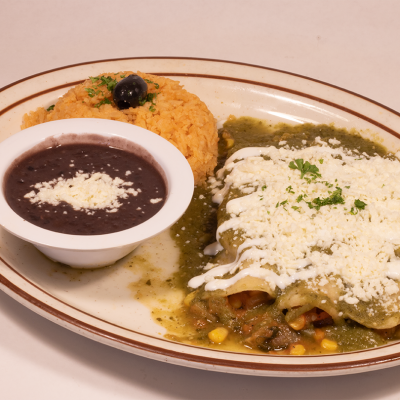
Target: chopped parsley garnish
column 154, row 83
column 301, row 197
column 334, row 198
column 296, row 208
column 347, row 187
column 282, row 203
column 359, row 205
column 304, row 168
column 149, row 98
column 264, row 187
column 326, row 183
column 51, row 107
column 109, row 82
column 122, row 76
column 321, row 161
column 289, row 189
column 105, row 101
column 94, row 79
column 152, row 108
column 91, row 92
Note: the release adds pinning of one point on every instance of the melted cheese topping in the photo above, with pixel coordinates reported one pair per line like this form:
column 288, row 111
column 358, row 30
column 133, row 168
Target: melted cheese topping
column 84, row 191
column 356, row 245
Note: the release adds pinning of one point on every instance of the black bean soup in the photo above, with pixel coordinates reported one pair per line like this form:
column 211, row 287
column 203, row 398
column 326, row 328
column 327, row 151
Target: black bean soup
column 67, row 161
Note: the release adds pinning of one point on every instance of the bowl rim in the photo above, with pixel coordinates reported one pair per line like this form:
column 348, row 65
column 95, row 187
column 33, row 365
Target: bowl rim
column 178, row 174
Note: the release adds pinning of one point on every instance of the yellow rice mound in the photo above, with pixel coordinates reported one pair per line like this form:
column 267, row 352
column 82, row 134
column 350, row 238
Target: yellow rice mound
column 177, row 115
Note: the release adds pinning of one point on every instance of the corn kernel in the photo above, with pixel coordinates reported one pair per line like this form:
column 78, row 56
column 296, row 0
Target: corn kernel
column 329, row 345
column 298, row 323
column 297, row 350
column 319, row 334
column 218, row 335
column 188, row 299
column 229, row 143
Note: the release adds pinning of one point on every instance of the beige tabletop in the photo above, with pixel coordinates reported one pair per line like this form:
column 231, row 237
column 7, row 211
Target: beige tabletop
column 349, row 43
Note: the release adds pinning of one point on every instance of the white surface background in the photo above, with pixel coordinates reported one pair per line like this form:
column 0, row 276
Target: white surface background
column 348, row 43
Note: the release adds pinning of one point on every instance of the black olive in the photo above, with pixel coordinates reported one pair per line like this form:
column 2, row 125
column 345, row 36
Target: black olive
column 129, row 92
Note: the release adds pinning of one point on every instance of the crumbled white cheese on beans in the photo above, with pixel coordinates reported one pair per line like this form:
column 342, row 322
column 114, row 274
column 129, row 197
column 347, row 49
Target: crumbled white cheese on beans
column 84, row 191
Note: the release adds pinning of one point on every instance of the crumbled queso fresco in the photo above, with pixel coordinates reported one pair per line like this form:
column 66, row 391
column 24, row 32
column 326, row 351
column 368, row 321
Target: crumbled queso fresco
column 84, row 192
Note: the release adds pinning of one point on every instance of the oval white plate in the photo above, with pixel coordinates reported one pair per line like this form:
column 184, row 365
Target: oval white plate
column 99, row 304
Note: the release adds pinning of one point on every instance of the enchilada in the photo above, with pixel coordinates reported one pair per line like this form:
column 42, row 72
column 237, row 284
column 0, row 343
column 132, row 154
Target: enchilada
column 307, row 244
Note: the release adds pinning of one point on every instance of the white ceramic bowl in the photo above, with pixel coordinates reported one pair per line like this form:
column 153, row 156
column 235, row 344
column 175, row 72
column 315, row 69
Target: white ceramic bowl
column 81, row 251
